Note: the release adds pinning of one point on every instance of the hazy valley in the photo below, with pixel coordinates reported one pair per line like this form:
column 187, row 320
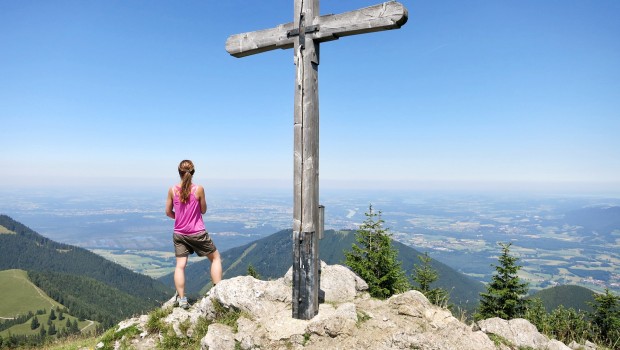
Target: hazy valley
column 559, row 239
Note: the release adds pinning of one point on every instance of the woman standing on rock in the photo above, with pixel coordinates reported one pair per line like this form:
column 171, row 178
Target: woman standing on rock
column 186, row 204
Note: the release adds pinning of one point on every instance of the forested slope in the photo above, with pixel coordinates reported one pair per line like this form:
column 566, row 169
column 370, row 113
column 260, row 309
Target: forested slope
column 27, row 250
column 272, row 256
column 88, row 298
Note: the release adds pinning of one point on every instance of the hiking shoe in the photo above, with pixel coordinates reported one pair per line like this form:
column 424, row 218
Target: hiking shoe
column 175, row 303
column 183, row 303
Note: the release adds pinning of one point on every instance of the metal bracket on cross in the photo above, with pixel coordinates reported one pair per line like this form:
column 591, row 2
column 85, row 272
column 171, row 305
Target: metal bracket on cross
column 302, row 31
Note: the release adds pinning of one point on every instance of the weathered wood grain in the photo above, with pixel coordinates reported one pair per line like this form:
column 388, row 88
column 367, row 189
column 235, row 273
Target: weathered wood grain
column 386, row 16
column 305, row 207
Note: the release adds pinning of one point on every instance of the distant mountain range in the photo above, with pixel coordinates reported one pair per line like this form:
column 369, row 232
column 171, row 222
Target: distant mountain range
column 89, row 285
column 271, row 257
column 598, row 221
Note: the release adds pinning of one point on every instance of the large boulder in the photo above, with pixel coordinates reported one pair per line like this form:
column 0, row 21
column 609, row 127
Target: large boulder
column 338, row 283
column 519, row 332
column 219, row 337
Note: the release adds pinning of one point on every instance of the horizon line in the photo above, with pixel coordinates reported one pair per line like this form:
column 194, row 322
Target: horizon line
column 422, row 185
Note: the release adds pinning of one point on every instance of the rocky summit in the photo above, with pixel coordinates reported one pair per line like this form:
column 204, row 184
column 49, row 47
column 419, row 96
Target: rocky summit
column 348, row 319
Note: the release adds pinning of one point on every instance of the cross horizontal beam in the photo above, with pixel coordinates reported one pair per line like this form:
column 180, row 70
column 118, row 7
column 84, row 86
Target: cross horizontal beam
column 386, row 16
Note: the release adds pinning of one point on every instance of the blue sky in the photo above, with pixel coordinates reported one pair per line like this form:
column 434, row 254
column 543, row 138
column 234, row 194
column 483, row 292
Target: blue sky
column 467, row 93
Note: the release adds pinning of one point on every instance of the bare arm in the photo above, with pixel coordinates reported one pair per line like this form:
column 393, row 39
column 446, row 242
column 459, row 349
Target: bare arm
column 169, row 207
column 200, row 192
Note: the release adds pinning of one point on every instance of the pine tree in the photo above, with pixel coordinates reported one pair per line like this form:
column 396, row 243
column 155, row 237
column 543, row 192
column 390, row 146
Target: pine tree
column 504, row 295
column 252, row 272
column 424, row 275
column 74, row 327
column 567, row 325
column 537, row 315
column 51, row 330
column 52, row 315
column 606, row 317
column 35, row 323
column 374, row 258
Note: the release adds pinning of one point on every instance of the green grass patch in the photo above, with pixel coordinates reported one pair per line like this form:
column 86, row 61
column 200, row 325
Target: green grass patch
column 169, row 338
column 498, row 340
column 26, row 329
column 155, row 323
column 110, row 337
column 362, row 317
column 152, row 263
column 19, row 295
column 72, row 343
column 306, row 339
column 228, row 316
column 4, row 230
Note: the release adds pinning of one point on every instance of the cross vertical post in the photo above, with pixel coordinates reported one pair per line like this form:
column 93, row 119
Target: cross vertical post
column 306, row 164
column 304, row 35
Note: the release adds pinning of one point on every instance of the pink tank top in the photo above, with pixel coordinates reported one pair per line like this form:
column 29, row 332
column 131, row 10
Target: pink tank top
column 188, row 218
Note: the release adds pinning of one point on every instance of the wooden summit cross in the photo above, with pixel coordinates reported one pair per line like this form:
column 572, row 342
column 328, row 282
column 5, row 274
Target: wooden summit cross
column 305, row 34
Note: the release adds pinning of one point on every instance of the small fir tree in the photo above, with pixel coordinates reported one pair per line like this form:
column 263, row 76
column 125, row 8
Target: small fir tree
column 606, row 317
column 424, row 275
column 252, row 272
column 51, row 330
column 504, row 295
column 537, row 315
column 375, row 260
column 34, row 324
column 567, row 325
column 74, row 327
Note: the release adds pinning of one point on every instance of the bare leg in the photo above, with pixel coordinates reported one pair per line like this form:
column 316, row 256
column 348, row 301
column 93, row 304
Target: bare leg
column 179, row 275
column 216, row 267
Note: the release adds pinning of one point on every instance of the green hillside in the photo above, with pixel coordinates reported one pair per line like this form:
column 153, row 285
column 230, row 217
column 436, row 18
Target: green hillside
column 61, row 326
column 88, row 298
column 27, row 250
column 22, row 301
column 569, row 296
column 20, row 295
column 272, row 257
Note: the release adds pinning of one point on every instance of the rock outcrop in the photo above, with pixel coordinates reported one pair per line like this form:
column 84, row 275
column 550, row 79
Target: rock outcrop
column 519, row 332
column 349, row 319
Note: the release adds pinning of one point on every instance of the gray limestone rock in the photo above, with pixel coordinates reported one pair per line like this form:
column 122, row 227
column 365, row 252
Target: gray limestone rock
column 519, row 332
column 349, row 319
column 219, row 337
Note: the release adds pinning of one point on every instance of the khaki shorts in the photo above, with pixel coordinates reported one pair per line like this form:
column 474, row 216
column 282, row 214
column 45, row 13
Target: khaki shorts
column 185, row 245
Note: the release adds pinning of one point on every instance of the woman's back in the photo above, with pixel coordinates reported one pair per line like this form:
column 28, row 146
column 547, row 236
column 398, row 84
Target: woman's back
column 188, row 216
